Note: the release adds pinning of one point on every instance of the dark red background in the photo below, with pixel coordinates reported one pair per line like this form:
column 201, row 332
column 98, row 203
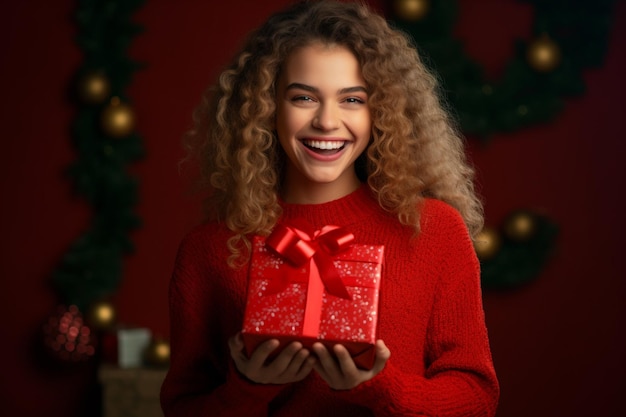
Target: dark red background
column 558, row 343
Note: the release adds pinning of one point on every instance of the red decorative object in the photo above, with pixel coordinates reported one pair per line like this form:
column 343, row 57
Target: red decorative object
column 67, row 336
column 314, row 286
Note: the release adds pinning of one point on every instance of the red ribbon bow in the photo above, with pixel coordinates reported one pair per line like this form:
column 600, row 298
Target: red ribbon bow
column 317, row 248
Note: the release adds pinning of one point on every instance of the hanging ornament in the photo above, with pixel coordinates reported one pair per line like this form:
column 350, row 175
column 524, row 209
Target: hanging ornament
column 543, row 54
column 118, row 119
column 67, row 337
column 487, row 243
column 411, row 10
column 101, row 315
column 520, row 226
column 157, row 354
column 93, row 87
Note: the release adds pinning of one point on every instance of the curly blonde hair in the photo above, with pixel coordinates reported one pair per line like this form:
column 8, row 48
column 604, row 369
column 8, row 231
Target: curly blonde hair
column 415, row 151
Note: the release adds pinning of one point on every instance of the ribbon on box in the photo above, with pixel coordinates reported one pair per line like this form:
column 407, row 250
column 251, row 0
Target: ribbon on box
column 316, row 249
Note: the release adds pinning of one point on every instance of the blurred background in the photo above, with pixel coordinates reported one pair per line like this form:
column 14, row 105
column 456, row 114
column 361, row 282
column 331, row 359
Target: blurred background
column 558, row 335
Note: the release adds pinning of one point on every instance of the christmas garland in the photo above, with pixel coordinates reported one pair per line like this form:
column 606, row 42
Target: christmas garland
column 515, row 253
column 105, row 141
column 568, row 37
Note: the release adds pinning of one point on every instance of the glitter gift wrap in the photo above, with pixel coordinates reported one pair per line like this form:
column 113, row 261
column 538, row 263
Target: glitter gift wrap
column 314, row 286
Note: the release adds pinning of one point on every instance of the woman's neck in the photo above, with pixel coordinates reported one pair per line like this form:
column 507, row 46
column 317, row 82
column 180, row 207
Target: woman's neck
column 299, row 192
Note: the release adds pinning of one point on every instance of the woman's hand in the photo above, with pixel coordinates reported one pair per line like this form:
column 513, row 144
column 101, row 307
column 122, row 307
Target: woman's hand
column 340, row 372
column 293, row 364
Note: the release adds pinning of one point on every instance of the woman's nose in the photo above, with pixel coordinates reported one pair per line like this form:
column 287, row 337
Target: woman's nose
column 326, row 117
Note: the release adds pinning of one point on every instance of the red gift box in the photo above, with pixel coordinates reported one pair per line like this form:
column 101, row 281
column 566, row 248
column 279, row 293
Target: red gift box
column 314, row 286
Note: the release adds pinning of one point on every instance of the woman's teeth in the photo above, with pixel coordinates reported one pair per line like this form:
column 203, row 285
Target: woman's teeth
column 324, row 145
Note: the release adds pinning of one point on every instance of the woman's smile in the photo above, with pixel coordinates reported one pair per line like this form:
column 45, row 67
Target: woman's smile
column 325, row 150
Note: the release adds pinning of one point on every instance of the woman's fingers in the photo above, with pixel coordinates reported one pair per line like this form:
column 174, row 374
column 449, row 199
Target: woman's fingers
column 261, row 353
column 339, row 370
column 346, row 363
column 236, row 347
column 382, row 356
column 292, row 364
column 325, row 365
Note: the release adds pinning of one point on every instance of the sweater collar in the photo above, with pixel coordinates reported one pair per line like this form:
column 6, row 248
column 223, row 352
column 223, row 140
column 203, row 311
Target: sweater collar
column 351, row 209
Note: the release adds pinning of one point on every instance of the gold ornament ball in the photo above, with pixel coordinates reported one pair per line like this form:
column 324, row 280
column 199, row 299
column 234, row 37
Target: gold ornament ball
column 520, row 226
column 487, row 243
column 101, row 315
column 94, row 88
column 411, row 10
column 118, row 119
column 157, row 354
column 543, row 54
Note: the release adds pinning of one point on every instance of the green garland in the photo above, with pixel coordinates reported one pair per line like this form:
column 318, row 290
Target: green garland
column 92, row 267
column 518, row 260
column 526, row 94
column 523, row 96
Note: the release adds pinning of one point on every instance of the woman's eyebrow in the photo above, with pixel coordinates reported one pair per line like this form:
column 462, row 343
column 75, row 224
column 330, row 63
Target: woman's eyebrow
column 305, row 87
column 299, row 86
column 356, row 89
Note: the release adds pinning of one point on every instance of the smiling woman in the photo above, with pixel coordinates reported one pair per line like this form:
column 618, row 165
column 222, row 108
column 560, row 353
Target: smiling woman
column 326, row 153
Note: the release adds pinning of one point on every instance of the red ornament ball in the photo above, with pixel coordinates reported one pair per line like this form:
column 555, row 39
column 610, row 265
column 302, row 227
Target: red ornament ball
column 67, row 336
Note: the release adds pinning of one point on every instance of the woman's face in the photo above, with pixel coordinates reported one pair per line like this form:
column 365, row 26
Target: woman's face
column 323, row 122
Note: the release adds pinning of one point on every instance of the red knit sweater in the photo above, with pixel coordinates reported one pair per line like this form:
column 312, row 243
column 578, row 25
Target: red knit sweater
column 430, row 317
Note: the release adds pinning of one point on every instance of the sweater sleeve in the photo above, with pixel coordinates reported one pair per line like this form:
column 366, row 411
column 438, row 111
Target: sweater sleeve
column 202, row 379
column 459, row 379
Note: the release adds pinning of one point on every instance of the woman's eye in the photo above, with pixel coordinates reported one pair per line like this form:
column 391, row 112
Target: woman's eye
column 302, row 98
column 355, row 100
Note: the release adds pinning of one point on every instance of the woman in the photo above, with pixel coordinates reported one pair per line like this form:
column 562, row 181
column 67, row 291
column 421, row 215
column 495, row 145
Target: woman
column 327, row 115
